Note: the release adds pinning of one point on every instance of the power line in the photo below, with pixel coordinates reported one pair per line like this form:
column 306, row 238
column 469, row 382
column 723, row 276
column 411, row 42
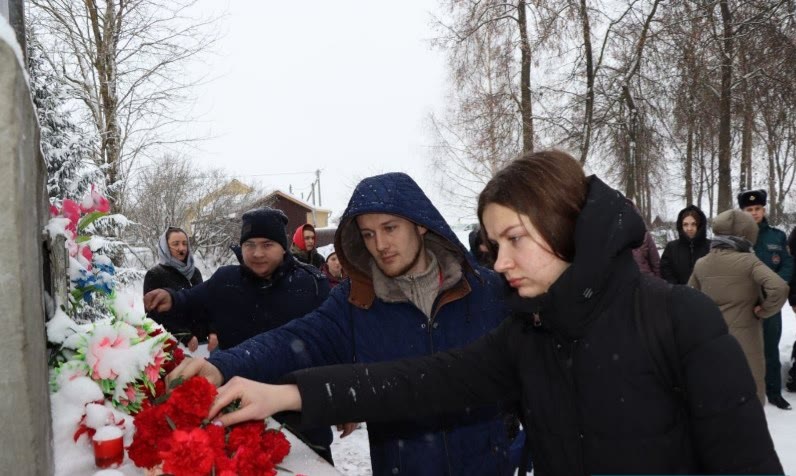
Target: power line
column 255, row 175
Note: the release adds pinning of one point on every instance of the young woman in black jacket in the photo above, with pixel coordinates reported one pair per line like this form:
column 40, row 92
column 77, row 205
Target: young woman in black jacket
column 571, row 357
column 175, row 270
column 680, row 255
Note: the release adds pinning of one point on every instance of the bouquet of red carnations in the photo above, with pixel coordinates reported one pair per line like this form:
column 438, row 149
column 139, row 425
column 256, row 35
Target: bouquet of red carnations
column 173, row 433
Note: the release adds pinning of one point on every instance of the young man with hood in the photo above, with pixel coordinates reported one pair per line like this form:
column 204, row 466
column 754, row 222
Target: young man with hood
column 680, row 255
column 303, row 246
column 414, row 290
column 771, row 248
column 268, row 289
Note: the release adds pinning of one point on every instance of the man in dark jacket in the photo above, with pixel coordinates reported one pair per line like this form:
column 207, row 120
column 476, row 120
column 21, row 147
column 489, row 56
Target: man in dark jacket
column 303, row 247
column 268, row 289
column 413, row 290
column 771, row 249
column 679, row 256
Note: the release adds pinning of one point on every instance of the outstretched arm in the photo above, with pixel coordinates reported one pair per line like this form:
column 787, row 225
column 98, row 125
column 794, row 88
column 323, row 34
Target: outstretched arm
column 480, row 374
column 322, row 337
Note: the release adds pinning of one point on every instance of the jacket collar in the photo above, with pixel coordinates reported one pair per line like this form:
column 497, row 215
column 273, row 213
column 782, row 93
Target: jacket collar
column 364, row 290
column 606, row 231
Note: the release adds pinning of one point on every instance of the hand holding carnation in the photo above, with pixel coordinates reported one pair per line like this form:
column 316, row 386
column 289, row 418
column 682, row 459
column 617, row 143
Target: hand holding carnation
column 257, row 400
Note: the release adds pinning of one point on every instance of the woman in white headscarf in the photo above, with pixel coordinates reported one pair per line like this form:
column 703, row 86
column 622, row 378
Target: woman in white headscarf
column 175, row 270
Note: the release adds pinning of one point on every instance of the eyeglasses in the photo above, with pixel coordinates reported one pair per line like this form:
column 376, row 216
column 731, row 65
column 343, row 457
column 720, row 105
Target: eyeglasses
column 251, row 245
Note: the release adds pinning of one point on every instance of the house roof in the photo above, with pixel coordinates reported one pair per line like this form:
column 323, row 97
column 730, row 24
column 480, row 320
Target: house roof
column 295, row 200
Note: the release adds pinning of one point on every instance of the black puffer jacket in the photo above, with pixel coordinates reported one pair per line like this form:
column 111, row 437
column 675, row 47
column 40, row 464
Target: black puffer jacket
column 239, row 305
column 161, row 276
column 574, row 361
column 679, row 256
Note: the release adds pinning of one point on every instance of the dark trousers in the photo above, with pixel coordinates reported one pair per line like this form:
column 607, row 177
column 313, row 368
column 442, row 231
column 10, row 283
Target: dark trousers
column 790, row 384
column 772, row 331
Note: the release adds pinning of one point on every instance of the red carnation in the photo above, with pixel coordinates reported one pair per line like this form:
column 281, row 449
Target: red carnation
column 275, row 442
column 170, row 434
column 151, row 435
column 190, row 453
column 190, row 402
column 177, row 356
column 250, row 461
column 244, row 434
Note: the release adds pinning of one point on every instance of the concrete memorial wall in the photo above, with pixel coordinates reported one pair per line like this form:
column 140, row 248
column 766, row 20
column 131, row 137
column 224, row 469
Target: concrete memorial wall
column 25, row 408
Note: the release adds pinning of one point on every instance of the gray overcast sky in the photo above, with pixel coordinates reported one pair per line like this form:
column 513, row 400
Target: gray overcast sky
column 344, row 87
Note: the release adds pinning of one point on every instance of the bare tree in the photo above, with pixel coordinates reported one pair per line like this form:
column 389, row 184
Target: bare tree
column 124, row 61
column 775, row 97
column 482, row 128
column 172, row 191
column 163, row 194
column 689, row 95
column 215, row 224
column 727, row 48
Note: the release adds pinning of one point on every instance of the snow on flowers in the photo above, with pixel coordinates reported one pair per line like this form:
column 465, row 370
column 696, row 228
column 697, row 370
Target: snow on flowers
column 176, row 436
column 90, row 273
column 125, row 360
column 104, row 372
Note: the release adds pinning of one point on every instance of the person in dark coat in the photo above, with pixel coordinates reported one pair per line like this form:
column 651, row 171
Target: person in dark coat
column 266, row 290
column 646, row 256
column 175, row 270
column 303, row 246
column 478, row 249
column 571, row 356
column 771, row 248
column 679, row 256
column 413, row 290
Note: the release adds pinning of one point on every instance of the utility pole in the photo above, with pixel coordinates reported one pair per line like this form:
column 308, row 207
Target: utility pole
column 318, row 181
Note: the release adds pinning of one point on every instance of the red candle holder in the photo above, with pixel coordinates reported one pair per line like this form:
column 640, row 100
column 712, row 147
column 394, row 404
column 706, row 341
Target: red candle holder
column 108, row 453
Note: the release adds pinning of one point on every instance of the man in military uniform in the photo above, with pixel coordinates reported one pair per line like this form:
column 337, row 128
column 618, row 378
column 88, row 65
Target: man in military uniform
column 771, row 249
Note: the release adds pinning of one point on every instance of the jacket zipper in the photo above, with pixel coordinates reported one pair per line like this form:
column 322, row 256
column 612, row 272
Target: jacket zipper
column 574, row 400
column 430, row 325
column 575, row 392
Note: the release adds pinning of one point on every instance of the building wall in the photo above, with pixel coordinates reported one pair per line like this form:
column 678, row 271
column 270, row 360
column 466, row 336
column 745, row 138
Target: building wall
column 296, row 214
column 26, row 437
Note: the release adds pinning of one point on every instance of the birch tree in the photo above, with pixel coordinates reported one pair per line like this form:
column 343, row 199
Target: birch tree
column 124, row 61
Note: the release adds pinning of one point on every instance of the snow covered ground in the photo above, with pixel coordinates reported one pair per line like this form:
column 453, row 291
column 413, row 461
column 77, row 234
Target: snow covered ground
column 351, row 454
column 781, row 423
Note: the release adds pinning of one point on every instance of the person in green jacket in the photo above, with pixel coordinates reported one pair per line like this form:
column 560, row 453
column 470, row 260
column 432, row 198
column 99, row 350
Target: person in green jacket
column 771, row 248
